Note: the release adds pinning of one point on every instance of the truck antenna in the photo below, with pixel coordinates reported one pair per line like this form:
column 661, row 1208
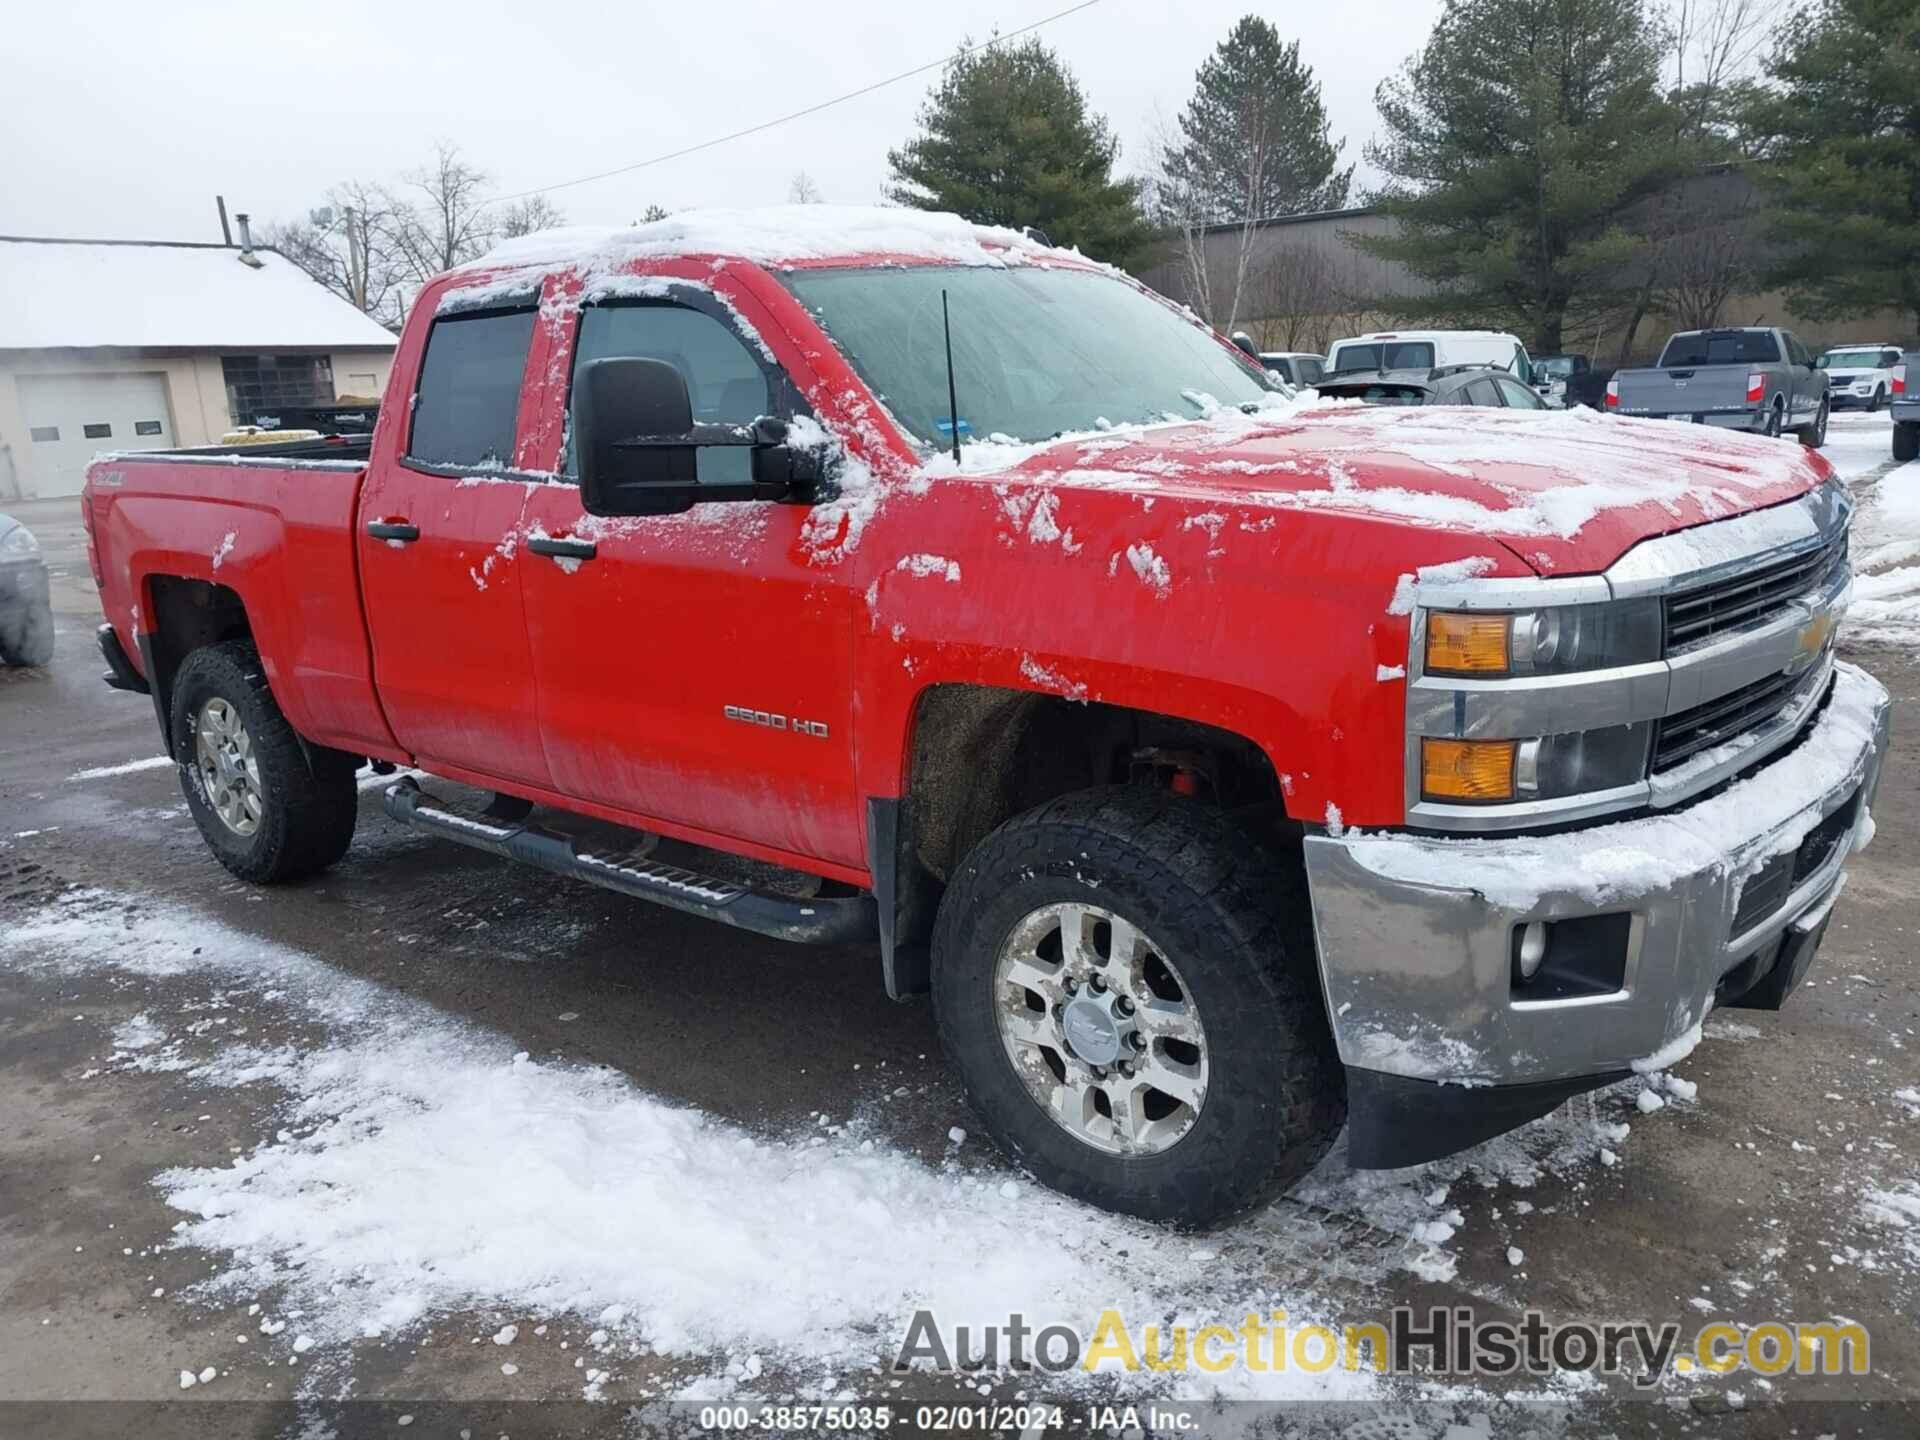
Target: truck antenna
column 953, row 400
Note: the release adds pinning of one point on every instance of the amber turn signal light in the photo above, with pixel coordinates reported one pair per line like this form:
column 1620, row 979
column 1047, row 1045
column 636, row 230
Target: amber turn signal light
column 1467, row 769
column 1466, row 644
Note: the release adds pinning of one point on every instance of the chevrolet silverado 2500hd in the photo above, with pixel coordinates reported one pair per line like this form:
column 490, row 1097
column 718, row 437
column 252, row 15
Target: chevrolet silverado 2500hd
column 1756, row 379
column 1227, row 765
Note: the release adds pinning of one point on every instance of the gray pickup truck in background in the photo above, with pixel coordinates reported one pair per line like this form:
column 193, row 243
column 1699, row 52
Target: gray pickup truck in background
column 1755, row 379
column 1906, row 407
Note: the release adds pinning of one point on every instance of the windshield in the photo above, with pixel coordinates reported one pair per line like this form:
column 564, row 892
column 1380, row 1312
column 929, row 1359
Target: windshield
column 1724, row 347
column 1849, row 360
column 1036, row 353
column 1384, row 355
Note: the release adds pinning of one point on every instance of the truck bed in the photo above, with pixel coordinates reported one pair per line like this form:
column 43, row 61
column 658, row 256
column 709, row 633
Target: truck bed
column 274, row 525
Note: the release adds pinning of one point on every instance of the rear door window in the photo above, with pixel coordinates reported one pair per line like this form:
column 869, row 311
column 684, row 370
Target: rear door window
column 1310, row 370
column 1482, row 392
column 1518, row 396
column 468, row 399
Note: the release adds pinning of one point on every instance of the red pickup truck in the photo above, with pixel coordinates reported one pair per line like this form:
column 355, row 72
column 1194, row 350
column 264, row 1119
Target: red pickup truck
column 1228, row 766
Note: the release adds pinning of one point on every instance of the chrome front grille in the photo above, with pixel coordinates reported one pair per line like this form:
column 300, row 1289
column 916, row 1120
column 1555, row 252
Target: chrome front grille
column 1679, row 737
column 1723, row 606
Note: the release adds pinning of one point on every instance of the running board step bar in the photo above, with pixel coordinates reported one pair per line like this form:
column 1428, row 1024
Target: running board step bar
column 841, row 920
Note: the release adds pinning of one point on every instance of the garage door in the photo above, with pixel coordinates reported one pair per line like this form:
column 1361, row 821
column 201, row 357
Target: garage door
column 71, row 417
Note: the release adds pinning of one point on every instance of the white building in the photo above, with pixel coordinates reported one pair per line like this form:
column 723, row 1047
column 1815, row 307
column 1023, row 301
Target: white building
column 131, row 345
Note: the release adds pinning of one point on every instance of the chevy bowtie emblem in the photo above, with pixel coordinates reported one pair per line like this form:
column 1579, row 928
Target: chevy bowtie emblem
column 1813, row 639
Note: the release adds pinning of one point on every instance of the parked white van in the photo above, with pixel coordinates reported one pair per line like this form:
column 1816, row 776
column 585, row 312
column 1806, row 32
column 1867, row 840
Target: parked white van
column 1425, row 349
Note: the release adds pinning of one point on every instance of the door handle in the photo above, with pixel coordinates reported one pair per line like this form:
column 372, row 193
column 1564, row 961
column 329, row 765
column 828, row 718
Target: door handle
column 563, row 549
column 395, row 530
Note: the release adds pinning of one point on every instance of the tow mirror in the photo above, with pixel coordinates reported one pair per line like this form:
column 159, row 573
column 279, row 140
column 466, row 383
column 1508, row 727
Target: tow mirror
column 638, row 446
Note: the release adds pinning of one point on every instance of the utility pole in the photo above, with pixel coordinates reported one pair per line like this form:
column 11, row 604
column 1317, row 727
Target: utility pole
column 356, row 270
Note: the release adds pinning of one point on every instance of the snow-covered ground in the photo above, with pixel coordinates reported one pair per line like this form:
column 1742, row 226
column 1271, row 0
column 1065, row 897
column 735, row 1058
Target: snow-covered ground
column 421, row 1168
column 1886, row 528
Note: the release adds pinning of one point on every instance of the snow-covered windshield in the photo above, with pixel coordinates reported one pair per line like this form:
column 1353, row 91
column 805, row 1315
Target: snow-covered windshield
column 1036, row 352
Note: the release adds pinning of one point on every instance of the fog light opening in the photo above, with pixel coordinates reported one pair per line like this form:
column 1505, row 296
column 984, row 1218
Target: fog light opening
column 1533, row 949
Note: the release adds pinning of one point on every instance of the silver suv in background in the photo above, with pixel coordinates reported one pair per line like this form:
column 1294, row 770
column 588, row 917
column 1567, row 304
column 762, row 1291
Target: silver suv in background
column 1755, row 379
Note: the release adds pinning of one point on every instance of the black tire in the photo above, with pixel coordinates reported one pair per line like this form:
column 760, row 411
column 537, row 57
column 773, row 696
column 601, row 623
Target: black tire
column 1776, row 417
column 307, row 796
column 1232, row 922
column 32, row 644
column 1815, row 435
column 1906, row 442
column 1879, row 399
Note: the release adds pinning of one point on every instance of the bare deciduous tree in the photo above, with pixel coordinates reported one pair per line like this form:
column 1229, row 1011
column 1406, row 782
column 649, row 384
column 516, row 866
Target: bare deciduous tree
column 525, row 216
column 348, row 246
column 450, row 224
column 1215, row 276
column 803, row 190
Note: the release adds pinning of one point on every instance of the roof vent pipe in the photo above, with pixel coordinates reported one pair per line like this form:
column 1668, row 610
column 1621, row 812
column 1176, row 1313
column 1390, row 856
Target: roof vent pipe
column 247, row 257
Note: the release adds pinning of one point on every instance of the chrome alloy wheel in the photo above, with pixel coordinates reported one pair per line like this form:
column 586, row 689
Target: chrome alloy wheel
column 223, row 754
column 1101, row 1029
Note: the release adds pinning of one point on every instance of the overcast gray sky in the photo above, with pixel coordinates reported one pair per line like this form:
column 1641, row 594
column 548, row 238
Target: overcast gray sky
column 123, row 118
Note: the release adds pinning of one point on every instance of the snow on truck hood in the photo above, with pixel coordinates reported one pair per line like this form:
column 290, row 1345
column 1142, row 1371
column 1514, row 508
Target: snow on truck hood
column 1568, row 492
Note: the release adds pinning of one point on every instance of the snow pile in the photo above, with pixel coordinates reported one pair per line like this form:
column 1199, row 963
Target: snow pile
column 422, row 1167
column 773, row 234
column 1608, row 863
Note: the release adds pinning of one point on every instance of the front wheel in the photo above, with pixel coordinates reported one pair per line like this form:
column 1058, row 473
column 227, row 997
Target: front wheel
column 1879, row 399
column 30, row 640
column 1815, row 435
column 270, row 809
column 1127, row 987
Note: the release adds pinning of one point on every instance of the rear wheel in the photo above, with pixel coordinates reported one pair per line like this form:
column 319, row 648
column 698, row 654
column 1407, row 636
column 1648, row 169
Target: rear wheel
column 1775, row 418
column 1128, row 990
column 1906, row 442
column 270, row 809
column 1815, row 435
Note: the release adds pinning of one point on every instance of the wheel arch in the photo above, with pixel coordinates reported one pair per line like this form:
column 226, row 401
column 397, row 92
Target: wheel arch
column 184, row 613
column 977, row 755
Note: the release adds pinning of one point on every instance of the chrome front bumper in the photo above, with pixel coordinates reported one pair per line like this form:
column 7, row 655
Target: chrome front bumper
column 1416, row 934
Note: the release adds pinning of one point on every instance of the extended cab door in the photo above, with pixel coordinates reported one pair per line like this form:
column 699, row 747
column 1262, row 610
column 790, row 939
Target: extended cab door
column 695, row 669
column 440, row 562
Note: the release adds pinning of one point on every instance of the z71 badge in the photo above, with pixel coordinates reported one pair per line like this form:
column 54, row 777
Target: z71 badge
column 767, row 720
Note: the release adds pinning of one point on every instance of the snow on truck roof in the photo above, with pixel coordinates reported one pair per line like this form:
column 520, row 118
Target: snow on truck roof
column 79, row 294
column 774, row 234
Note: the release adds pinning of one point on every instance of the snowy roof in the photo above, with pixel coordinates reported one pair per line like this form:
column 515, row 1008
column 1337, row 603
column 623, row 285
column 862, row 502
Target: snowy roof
column 82, row 293
column 774, row 233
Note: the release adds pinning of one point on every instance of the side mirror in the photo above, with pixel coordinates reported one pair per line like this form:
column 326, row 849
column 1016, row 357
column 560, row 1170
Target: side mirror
column 638, row 447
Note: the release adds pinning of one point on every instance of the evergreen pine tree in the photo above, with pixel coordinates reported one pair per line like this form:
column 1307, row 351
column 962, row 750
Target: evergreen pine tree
column 1254, row 140
column 1007, row 139
column 1519, row 141
column 1841, row 134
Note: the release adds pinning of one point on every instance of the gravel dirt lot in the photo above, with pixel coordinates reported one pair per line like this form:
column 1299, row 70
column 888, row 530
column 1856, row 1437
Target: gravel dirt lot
column 1789, row 1189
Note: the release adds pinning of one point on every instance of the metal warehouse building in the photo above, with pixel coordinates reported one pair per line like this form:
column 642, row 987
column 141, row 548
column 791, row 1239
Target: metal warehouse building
column 135, row 345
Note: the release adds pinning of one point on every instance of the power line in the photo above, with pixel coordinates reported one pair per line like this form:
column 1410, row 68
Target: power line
column 797, row 114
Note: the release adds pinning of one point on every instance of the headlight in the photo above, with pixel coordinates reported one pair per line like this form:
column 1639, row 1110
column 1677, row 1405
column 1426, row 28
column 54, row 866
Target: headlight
column 18, row 543
column 1493, row 772
column 1488, row 645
